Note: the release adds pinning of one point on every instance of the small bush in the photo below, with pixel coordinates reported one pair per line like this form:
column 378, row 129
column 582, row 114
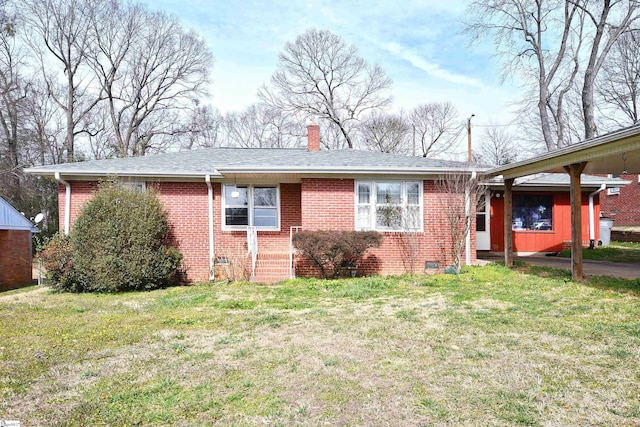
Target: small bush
column 116, row 245
column 334, row 251
column 57, row 260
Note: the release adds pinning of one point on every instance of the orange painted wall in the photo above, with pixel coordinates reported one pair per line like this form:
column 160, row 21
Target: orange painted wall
column 544, row 241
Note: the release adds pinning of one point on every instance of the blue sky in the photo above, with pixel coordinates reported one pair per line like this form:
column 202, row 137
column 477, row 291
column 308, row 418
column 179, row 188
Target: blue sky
column 418, row 43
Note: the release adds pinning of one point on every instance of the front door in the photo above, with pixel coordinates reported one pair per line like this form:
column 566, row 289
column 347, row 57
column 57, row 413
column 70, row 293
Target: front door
column 483, row 236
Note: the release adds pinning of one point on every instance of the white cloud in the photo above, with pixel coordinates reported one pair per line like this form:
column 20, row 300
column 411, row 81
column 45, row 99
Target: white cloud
column 433, row 70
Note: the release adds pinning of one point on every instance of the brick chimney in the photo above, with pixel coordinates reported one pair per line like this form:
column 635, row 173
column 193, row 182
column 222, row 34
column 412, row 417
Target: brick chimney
column 313, row 137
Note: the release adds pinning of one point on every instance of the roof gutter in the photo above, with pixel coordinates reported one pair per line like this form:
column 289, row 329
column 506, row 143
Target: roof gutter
column 592, row 226
column 212, row 272
column 67, row 203
column 350, row 170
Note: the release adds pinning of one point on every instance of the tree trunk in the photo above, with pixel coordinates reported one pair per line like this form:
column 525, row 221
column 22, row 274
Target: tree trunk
column 69, row 113
column 588, row 105
column 549, row 140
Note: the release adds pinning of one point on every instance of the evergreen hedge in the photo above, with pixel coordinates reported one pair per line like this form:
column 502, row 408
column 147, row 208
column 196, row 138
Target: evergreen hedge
column 117, row 244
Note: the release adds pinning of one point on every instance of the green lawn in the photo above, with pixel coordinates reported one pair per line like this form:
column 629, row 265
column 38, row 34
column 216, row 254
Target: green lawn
column 616, row 252
column 492, row 347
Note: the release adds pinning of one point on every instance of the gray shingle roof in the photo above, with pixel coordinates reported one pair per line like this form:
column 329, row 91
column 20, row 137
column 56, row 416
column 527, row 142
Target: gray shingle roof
column 218, row 161
column 561, row 180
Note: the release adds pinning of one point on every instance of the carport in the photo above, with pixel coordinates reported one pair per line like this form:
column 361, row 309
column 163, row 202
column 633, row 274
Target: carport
column 614, row 153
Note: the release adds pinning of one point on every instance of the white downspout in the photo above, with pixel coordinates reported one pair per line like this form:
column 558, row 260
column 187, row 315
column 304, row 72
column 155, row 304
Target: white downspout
column 212, row 272
column 468, row 219
column 592, row 226
column 67, row 203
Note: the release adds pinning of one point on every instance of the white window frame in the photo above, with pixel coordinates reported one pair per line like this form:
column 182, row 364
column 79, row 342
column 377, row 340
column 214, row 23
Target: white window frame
column 250, row 207
column 373, row 203
column 611, row 191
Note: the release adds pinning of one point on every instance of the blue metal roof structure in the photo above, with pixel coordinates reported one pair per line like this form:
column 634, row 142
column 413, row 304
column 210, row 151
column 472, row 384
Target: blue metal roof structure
column 11, row 219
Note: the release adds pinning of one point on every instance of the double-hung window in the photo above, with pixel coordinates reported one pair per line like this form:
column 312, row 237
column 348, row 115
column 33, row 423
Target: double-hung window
column 249, row 205
column 389, row 205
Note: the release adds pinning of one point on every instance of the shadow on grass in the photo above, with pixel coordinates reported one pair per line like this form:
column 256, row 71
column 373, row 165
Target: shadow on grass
column 614, row 253
column 601, row 282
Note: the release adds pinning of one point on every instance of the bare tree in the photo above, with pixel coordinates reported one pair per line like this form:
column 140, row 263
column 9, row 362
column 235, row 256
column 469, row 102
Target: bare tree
column 619, row 83
column 460, row 194
column 150, row 70
column 45, row 127
column 435, row 127
column 497, row 146
column 387, row 133
column 609, row 25
column 263, row 126
column 322, row 77
column 547, row 42
column 204, row 128
column 59, row 34
column 13, row 94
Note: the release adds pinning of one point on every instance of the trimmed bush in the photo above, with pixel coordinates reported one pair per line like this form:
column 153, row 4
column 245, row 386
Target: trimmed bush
column 334, row 252
column 117, row 244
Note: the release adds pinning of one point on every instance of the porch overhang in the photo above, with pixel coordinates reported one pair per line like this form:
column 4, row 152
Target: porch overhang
column 614, row 153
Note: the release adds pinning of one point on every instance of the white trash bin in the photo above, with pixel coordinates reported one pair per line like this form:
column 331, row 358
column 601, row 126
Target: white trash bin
column 606, row 224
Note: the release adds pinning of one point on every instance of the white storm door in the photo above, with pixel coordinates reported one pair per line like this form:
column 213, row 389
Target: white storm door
column 483, row 234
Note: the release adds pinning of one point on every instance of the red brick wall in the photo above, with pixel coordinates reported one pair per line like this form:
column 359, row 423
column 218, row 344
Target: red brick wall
column 329, row 204
column 81, row 192
column 624, row 207
column 271, row 244
column 15, row 258
column 187, row 208
column 187, row 213
column 186, row 205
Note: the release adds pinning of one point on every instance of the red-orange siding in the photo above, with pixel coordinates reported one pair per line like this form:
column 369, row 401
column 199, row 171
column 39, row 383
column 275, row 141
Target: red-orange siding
column 543, row 241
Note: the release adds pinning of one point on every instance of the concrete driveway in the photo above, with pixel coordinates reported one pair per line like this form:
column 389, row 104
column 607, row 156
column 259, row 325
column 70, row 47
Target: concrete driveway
column 627, row 270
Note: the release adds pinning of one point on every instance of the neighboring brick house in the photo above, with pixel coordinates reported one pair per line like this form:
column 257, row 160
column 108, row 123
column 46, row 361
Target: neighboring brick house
column 623, row 203
column 15, row 247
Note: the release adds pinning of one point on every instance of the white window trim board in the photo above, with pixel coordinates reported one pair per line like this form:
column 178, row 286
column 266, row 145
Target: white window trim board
column 373, row 202
column 250, row 207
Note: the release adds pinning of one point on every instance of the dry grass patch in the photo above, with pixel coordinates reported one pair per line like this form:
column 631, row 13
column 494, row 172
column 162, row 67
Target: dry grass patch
column 490, row 347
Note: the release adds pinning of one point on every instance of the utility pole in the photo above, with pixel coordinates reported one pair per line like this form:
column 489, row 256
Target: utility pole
column 414, row 140
column 469, row 137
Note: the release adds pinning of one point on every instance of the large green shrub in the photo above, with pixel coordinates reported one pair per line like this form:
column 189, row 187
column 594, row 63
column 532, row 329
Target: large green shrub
column 333, row 252
column 117, row 244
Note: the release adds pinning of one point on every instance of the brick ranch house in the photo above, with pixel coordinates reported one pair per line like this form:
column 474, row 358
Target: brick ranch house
column 15, row 247
column 241, row 206
column 225, row 203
